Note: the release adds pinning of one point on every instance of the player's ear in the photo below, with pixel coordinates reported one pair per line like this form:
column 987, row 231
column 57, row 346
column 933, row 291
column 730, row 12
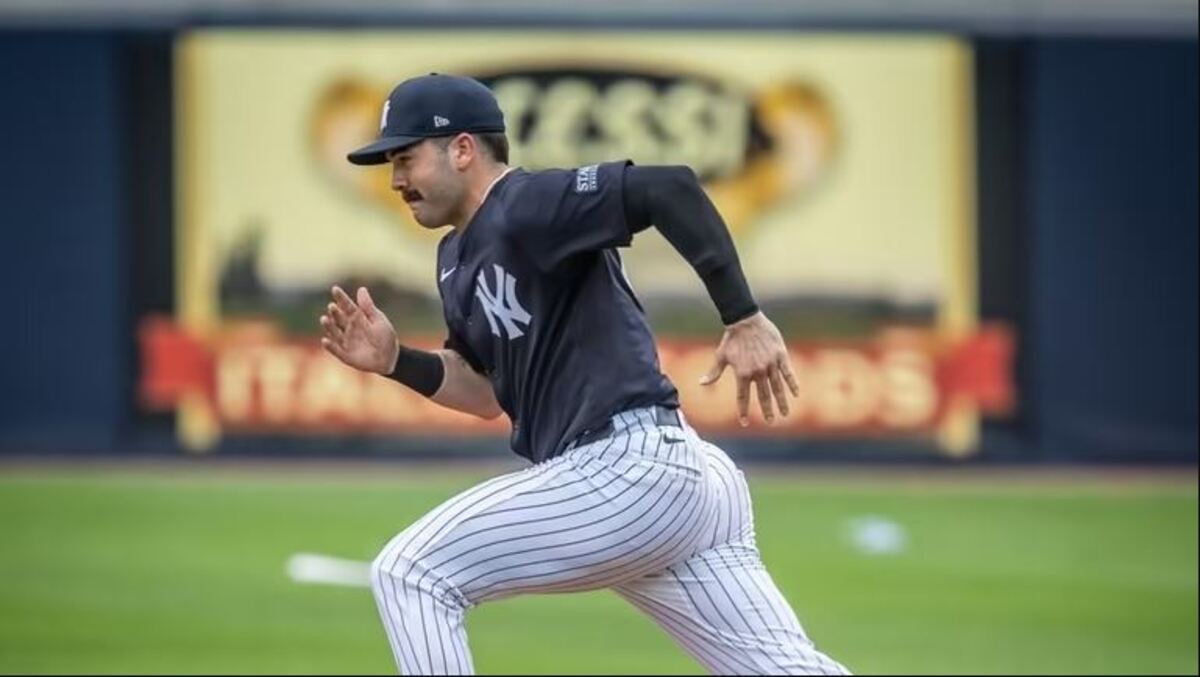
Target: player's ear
column 462, row 150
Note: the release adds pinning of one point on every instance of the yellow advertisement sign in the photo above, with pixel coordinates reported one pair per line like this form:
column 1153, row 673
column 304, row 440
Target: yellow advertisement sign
column 842, row 164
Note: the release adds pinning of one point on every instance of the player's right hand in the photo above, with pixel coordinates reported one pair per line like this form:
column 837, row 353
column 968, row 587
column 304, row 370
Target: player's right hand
column 754, row 349
column 359, row 334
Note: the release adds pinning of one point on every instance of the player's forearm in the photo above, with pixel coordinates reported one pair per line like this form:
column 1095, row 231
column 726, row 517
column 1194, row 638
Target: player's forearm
column 465, row 389
column 445, row 377
column 671, row 199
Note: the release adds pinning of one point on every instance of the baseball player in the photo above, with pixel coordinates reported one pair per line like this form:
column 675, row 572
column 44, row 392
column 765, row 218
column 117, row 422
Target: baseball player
column 544, row 328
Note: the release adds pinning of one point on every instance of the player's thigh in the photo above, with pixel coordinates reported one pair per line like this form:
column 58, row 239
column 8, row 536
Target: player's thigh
column 419, row 537
column 724, row 609
column 602, row 522
column 733, row 516
column 583, row 521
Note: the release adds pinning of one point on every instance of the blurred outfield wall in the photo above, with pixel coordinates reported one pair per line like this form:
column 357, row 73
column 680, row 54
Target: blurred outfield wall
column 1084, row 163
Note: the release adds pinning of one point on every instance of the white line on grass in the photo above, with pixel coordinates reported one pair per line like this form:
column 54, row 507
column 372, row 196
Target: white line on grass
column 306, row 567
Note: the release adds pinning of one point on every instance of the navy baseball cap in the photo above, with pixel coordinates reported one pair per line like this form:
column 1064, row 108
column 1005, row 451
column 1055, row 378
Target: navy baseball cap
column 427, row 106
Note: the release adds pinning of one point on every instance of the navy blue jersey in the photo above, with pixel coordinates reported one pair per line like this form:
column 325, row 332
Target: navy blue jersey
column 536, row 300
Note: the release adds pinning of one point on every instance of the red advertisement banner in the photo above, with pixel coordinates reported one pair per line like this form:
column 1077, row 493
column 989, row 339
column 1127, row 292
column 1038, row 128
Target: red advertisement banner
column 902, row 382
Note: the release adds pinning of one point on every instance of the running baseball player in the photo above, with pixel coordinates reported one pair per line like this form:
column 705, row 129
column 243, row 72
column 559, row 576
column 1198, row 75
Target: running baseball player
column 544, row 328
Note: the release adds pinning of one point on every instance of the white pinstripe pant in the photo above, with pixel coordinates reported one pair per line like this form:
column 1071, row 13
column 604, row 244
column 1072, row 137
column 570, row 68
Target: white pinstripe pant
column 653, row 512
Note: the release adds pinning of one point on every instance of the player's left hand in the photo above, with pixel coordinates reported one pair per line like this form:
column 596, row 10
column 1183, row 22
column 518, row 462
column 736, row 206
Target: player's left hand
column 754, row 349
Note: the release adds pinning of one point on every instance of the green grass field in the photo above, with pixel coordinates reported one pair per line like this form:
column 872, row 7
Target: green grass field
column 181, row 570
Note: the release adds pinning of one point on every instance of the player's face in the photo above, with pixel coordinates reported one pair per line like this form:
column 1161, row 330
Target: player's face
column 425, row 177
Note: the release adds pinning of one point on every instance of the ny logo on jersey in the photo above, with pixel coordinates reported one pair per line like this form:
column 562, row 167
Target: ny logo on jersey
column 502, row 304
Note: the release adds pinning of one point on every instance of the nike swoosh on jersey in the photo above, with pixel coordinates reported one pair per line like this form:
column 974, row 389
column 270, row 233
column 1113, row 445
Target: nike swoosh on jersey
column 447, row 273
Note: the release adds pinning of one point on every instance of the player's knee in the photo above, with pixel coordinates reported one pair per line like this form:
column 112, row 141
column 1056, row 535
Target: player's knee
column 389, row 568
column 398, row 576
column 395, row 565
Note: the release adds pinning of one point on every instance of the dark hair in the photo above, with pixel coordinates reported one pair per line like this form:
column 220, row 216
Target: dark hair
column 495, row 143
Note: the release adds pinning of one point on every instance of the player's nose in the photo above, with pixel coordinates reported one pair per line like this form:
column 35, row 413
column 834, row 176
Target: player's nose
column 399, row 181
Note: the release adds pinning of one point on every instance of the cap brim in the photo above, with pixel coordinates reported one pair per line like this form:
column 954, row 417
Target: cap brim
column 375, row 153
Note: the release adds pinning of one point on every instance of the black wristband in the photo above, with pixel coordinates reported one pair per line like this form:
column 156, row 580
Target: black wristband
column 730, row 293
column 419, row 370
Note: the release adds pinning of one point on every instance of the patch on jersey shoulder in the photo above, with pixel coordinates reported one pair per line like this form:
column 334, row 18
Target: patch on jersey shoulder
column 586, row 179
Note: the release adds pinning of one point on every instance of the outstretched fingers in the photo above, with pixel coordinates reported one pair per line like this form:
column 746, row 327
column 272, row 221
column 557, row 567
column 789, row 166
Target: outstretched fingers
column 764, row 398
column 343, row 301
column 714, row 372
column 785, row 366
column 366, row 303
column 743, row 400
column 331, row 328
column 340, row 319
column 334, row 348
column 781, row 401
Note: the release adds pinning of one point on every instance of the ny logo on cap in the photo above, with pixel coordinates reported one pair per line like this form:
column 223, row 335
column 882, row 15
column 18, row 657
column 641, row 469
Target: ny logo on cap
column 387, row 106
column 439, row 121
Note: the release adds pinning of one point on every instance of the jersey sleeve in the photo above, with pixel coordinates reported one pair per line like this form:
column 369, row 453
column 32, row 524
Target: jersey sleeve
column 454, row 342
column 559, row 213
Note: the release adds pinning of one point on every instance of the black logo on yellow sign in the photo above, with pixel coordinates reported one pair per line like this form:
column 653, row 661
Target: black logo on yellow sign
column 752, row 150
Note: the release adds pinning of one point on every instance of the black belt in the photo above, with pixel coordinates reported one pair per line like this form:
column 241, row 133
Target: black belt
column 662, row 416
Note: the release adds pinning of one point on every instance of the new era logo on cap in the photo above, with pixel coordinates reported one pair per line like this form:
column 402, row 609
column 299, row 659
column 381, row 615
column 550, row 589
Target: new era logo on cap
column 439, row 121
